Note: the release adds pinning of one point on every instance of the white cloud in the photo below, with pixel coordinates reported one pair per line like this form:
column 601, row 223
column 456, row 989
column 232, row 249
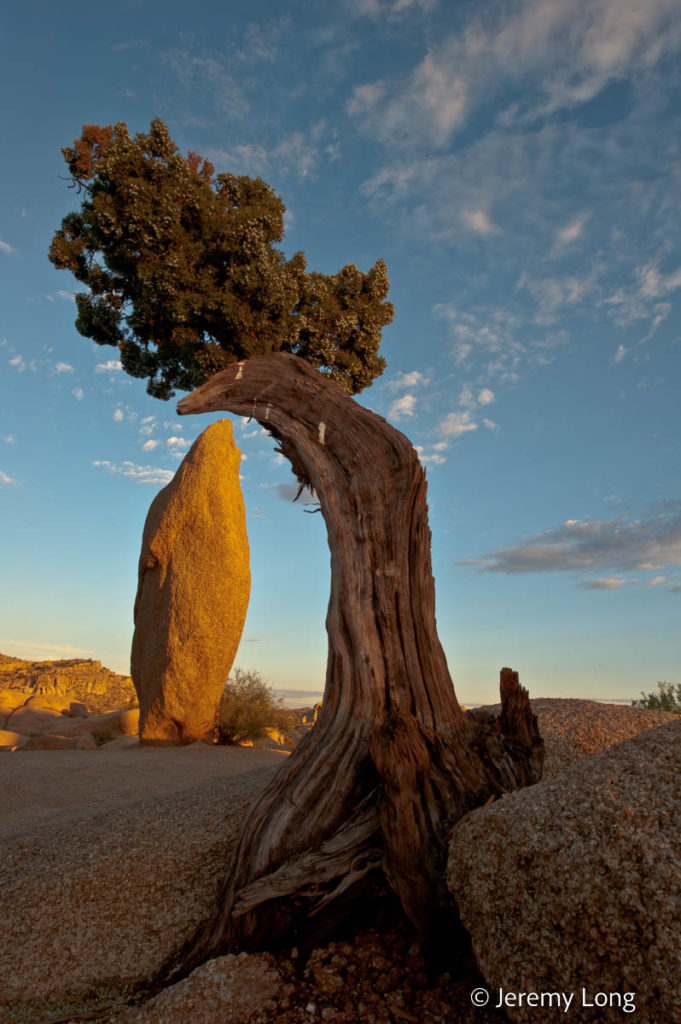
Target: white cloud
column 140, row 474
column 247, row 434
column 570, row 232
column 178, row 442
column 490, row 424
column 7, row 248
column 63, row 368
column 619, row 354
column 479, row 222
column 455, row 424
column 69, row 296
column 656, row 581
column 408, row 380
column 110, row 366
column 486, row 397
column 8, row 438
column 119, row 415
column 434, row 459
column 4, row 479
column 78, row 393
column 18, row 363
column 653, row 284
column 402, row 407
column 149, row 446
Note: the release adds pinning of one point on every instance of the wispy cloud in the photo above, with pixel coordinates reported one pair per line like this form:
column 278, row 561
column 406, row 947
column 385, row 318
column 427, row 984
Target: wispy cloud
column 211, row 77
column 28, row 645
column 18, row 363
column 390, row 8
column 300, row 153
column 149, row 446
column 479, row 222
column 110, row 366
column 589, row 545
column 604, row 583
column 118, row 415
column 570, row 232
column 7, row 248
column 653, row 284
column 5, row 479
column 402, row 407
column 8, row 438
column 567, row 49
column 140, row 474
column 77, row 393
column 425, row 111
column 553, row 295
column 63, row 368
column 502, row 341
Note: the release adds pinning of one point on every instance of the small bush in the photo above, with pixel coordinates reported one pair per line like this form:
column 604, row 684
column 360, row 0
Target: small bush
column 667, row 698
column 248, row 708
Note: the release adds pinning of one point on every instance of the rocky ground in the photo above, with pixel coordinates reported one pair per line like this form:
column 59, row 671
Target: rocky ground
column 102, row 854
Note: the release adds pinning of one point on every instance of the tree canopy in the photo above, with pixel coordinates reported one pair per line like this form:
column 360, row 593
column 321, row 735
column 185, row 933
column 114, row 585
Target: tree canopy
column 184, row 276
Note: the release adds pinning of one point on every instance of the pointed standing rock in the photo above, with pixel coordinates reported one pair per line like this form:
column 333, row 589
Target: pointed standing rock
column 193, row 591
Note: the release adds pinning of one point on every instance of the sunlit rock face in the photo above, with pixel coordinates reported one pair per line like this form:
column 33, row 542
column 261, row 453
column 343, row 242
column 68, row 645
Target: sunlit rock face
column 193, row 591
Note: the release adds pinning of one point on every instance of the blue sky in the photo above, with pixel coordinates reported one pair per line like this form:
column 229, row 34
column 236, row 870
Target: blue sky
column 518, row 166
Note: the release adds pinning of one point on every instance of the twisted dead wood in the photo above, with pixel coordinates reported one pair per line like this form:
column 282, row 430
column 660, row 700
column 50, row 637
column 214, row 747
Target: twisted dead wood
column 393, row 762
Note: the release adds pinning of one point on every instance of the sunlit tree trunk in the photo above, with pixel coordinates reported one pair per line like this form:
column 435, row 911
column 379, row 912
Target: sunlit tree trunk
column 393, row 762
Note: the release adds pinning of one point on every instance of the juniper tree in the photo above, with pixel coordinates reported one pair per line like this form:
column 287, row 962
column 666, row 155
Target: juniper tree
column 184, row 276
column 185, row 279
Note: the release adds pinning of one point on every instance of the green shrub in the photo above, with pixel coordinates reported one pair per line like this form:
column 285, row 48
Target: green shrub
column 667, row 698
column 248, row 708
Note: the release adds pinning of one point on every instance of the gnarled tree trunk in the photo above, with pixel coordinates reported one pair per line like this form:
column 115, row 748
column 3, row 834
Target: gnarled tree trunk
column 393, row 762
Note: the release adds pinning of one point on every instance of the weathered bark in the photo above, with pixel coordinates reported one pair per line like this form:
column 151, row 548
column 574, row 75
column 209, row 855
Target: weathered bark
column 393, row 761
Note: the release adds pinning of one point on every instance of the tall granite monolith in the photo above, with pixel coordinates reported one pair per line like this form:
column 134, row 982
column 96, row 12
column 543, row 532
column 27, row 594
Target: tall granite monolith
column 193, row 590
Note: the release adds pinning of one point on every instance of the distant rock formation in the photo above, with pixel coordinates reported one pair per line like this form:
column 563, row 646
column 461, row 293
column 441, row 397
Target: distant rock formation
column 193, row 591
column 79, row 679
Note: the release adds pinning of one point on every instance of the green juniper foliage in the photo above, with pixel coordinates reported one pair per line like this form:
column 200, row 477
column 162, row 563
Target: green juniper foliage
column 184, row 276
column 667, row 698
